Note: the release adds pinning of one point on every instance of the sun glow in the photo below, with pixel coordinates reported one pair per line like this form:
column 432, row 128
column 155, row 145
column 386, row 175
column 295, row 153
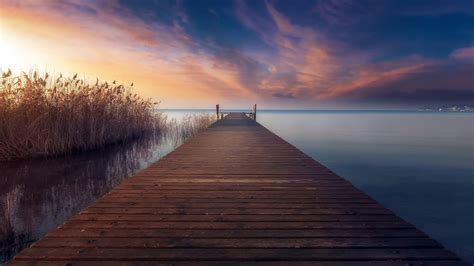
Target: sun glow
column 15, row 53
column 10, row 54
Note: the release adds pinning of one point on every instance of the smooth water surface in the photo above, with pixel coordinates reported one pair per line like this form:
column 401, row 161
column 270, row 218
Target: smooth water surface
column 420, row 165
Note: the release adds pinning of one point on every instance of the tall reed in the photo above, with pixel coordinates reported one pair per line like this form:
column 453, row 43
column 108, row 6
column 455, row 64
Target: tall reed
column 40, row 115
column 178, row 131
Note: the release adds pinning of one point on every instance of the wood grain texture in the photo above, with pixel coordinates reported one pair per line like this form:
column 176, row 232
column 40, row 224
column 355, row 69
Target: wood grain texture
column 234, row 194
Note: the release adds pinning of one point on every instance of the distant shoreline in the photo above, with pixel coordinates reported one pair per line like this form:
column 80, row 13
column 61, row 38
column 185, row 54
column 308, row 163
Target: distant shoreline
column 315, row 110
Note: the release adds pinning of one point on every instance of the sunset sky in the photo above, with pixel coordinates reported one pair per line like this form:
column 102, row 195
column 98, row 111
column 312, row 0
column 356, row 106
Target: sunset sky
column 332, row 54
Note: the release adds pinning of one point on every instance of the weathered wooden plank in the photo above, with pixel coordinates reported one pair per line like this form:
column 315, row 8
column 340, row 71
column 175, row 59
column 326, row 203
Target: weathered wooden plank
column 188, row 254
column 255, row 196
column 235, row 211
column 242, row 179
column 235, row 186
column 151, row 187
column 233, row 218
column 121, row 199
column 235, row 225
column 214, row 205
column 104, row 242
column 249, row 263
column 242, row 233
column 243, row 193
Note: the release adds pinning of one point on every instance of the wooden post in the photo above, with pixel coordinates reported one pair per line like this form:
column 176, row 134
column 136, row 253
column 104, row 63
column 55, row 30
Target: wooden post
column 217, row 111
column 255, row 112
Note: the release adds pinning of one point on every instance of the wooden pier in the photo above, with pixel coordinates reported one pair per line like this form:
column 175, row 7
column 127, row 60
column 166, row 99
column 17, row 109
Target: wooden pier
column 236, row 193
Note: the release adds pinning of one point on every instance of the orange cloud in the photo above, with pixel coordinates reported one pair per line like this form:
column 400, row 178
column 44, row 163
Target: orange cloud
column 310, row 66
column 371, row 75
column 94, row 41
column 305, row 65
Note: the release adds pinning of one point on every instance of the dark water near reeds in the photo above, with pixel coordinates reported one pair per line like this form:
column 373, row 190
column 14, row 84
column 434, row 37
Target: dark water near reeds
column 420, row 165
column 38, row 195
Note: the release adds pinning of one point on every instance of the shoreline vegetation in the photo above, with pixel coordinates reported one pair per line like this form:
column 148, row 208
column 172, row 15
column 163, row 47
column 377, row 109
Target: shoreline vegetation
column 45, row 116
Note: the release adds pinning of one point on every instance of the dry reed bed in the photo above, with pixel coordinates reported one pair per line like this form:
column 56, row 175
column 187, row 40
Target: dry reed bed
column 42, row 116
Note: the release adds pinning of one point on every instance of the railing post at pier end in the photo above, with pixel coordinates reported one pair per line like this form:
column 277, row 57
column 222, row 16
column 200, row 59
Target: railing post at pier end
column 254, row 112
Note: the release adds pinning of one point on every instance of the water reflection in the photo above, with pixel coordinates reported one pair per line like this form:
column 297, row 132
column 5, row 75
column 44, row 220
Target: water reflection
column 38, row 195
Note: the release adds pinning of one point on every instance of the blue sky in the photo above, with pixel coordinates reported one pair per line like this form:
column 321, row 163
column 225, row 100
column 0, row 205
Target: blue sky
column 291, row 54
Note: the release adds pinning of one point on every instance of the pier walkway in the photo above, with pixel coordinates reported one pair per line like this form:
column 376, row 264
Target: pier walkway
column 236, row 193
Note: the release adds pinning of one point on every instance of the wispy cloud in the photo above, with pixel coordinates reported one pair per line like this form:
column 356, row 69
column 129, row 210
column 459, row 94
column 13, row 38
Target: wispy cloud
column 276, row 58
column 463, row 53
column 309, row 65
column 344, row 12
column 441, row 82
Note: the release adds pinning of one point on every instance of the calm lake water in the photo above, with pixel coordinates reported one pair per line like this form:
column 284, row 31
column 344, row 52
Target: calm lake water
column 420, row 165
